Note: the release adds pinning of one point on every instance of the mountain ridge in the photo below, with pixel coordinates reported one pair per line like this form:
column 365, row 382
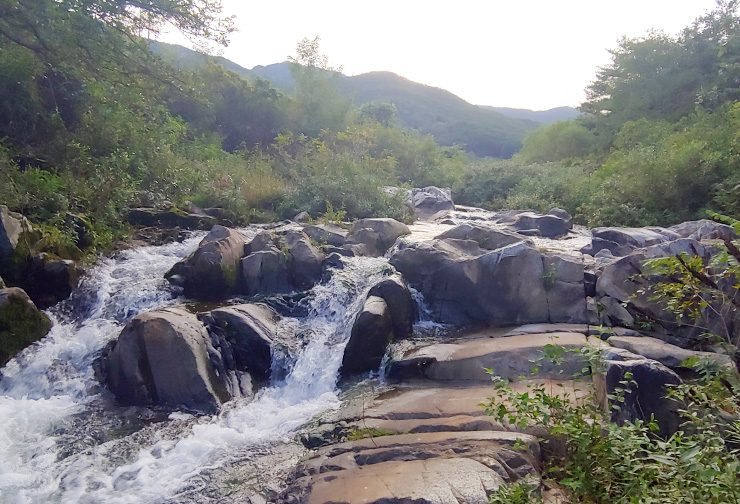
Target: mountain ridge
column 451, row 120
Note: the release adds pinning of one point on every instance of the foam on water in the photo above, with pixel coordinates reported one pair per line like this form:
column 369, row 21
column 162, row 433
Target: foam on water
column 49, row 395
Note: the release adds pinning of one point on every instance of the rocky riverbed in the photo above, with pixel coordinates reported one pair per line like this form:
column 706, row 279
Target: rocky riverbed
column 331, row 362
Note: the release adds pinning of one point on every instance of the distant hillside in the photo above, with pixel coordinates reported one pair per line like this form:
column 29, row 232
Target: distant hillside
column 450, row 119
column 187, row 59
column 540, row 116
column 431, row 111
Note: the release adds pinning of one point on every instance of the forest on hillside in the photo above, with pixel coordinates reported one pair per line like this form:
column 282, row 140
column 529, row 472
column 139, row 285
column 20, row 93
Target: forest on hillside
column 93, row 124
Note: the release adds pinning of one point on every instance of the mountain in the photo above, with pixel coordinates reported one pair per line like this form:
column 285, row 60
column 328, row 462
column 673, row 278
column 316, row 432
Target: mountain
column 449, row 118
column 431, row 111
column 540, row 116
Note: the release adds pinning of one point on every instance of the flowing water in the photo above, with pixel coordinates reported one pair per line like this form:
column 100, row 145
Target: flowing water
column 64, row 439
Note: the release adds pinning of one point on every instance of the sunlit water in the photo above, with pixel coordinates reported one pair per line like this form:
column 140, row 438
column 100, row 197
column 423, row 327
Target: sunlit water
column 63, row 438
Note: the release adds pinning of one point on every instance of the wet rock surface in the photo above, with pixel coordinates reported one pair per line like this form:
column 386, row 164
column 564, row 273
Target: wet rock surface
column 163, row 357
column 21, row 322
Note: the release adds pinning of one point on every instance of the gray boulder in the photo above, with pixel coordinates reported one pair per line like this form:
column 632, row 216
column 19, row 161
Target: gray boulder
column 549, row 226
column 430, row 200
column 624, row 290
column 12, row 225
column 373, row 237
column 213, row 270
column 486, row 236
column 21, row 323
column 463, row 284
column 327, row 234
column 266, row 272
column 304, row 260
column 165, row 357
column 646, row 396
column 559, row 212
column 564, row 281
column 400, row 304
column 372, row 332
column 48, row 279
column 704, row 230
column 250, row 331
column 621, row 241
column 671, row 356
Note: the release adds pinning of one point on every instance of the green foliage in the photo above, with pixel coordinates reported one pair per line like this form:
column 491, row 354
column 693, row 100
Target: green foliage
column 602, row 462
column 702, row 289
column 557, row 141
column 356, row 434
column 520, row 492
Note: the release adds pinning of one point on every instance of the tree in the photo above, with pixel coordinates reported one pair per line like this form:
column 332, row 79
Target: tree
column 318, row 103
column 97, row 34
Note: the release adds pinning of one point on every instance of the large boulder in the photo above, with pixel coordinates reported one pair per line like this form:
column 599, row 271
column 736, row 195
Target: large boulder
column 326, row 234
column 559, row 212
column 12, row 225
column 671, row 356
column 372, row 332
column 621, row 241
column 532, row 223
column 396, row 294
column 165, row 357
column 266, row 272
column 486, row 236
column 624, row 291
column 373, row 237
column 249, row 331
column 564, row 280
column 213, row 270
column 48, row 279
column 463, row 284
column 281, row 264
column 429, row 201
column 304, row 260
column 646, row 389
column 21, row 323
column 704, row 230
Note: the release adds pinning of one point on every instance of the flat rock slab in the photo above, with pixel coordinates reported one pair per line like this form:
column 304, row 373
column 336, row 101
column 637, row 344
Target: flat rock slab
column 548, row 328
column 441, row 467
column 669, row 355
column 448, row 481
column 408, row 409
column 508, row 357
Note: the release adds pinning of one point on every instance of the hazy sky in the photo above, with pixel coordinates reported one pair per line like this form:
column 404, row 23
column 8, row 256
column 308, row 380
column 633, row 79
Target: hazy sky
column 533, row 54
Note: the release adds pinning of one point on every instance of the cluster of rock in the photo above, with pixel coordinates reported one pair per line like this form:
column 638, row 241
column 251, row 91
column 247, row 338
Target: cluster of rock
column 175, row 358
column 38, row 281
column 428, row 439
column 489, row 272
column 227, row 263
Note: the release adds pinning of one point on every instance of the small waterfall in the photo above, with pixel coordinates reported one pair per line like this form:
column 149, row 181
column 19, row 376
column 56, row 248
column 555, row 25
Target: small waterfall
column 63, row 438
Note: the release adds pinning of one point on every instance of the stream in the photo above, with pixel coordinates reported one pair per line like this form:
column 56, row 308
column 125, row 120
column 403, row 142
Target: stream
column 65, row 440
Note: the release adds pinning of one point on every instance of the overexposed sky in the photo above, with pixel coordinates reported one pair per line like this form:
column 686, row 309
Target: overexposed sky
column 534, row 54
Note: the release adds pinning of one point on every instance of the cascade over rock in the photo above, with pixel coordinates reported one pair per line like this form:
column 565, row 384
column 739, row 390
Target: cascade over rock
column 464, row 284
column 372, row 332
column 401, row 306
column 248, row 332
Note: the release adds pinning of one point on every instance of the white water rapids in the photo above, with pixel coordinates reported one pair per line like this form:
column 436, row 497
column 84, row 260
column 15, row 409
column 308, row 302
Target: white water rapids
column 64, row 440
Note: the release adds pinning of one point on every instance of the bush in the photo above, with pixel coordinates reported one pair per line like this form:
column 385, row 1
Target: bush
column 602, row 462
